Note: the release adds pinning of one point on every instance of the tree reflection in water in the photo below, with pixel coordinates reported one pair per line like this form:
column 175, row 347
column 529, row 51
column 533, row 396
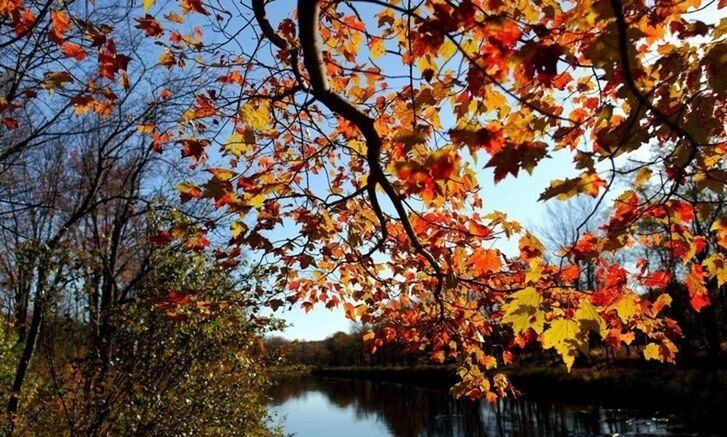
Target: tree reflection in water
column 407, row 410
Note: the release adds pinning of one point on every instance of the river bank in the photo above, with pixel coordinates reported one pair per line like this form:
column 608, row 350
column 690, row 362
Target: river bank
column 700, row 388
column 345, row 402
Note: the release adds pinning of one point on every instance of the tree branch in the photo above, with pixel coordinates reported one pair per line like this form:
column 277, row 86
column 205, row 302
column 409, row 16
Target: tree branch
column 622, row 27
column 308, row 28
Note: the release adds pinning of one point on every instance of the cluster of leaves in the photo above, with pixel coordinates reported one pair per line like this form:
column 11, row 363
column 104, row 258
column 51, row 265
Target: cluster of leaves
column 349, row 137
column 173, row 369
column 321, row 131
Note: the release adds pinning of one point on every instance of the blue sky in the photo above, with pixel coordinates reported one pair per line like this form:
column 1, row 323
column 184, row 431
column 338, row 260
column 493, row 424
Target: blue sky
column 518, row 197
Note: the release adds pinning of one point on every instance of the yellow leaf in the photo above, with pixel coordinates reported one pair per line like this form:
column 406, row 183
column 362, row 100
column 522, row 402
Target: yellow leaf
column 256, row 115
column 562, row 335
column 147, row 4
column 662, row 301
column 651, row 352
column 625, row 308
column 239, row 144
column 523, row 311
column 563, row 189
column 495, row 101
column 447, row 50
column 369, row 335
column 257, row 201
column 377, row 47
column 589, row 319
column 358, row 146
column 237, row 228
column 470, row 47
column 426, row 63
column 438, row 356
column 221, row 174
column 716, row 265
column 642, row 176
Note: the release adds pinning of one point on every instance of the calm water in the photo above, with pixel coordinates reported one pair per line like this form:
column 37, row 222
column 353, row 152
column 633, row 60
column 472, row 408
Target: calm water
column 319, row 407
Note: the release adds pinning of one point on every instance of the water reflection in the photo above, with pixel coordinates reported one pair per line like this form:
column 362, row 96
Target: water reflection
column 316, row 406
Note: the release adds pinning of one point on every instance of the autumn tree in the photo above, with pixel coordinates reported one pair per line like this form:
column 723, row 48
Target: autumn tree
column 358, row 181
column 80, row 176
column 347, row 139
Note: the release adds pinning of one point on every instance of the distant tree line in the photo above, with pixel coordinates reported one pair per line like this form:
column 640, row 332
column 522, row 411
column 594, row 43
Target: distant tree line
column 339, row 349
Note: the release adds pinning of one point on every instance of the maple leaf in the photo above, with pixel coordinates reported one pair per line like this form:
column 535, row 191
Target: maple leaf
column 589, row 319
column 193, row 6
column 512, row 158
column 442, row 164
column 188, row 191
column 377, row 47
column 221, row 174
column 485, row 261
column 167, row 59
column 660, row 303
column 561, row 336
column 23, row 21
column 255, row 114
column 523, row 311
column 193, row 147
column 716, row 265
column 540, row 60
column 488, row 138
column 74, row 51
column 664, row 352
column 274, row 304
column 626, row 307
column 570, row 273
column 694, row 281
column 586, row 247
column 587, row 183
column 60, row 24
column 56, row 80
column 530, row 247
column 10, row 123
column 149, row 25
column 147, row 4
column 651, row 352
column 238, row 144
column 110, row 62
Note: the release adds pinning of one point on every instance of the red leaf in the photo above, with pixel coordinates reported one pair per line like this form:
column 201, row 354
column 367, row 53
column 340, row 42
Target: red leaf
column 74, row 51
column 194, row 5
column 658, row 279
column 486, row 261
column 60, row 25
column 10, row 123
column 150, row 26
column 193, row 147
column 162, row 238
column 698, row 296
column 514, row 157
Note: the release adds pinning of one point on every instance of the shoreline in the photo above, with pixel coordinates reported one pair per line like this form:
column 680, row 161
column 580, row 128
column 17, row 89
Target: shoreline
column 655, row 384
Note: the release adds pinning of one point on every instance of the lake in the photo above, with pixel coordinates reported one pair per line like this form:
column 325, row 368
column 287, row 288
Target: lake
column 321, row 406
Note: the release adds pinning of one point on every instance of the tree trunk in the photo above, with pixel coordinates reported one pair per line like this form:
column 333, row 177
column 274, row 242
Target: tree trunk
column 30, row 341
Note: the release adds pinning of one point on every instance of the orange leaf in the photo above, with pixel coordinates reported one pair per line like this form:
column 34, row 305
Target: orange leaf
column 74, row 51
